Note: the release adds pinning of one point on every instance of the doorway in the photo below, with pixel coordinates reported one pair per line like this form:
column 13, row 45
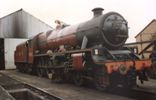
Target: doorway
column 2, row 61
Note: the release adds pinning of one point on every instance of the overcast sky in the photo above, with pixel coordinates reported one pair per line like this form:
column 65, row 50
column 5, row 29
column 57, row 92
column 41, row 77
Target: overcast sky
column 138, row 13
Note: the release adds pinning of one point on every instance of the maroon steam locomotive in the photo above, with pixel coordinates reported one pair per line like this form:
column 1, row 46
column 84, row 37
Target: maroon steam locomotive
column 80, row 52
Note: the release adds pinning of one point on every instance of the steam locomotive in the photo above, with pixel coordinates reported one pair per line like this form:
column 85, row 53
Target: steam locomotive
column 80, row 52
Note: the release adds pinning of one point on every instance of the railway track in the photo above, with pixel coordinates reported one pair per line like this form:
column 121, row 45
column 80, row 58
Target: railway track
column 69, row 91
column 135, row 93
column 143, row 94
column 15, row 90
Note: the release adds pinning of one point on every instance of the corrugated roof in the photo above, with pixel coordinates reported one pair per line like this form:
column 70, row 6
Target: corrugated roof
column 11, row 14
column 38, row 19
column 28, row 14
column 149, row 29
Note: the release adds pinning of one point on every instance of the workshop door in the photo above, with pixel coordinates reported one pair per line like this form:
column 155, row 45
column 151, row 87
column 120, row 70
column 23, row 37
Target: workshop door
column 2, row 61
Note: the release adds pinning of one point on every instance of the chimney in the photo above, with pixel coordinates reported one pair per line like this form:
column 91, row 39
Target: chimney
column 97, row 11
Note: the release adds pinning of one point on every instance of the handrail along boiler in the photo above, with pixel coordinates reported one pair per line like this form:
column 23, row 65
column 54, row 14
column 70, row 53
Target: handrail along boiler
column 80, row 52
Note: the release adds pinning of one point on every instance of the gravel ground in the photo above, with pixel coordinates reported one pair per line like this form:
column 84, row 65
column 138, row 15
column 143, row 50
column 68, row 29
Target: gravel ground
column 65, row 91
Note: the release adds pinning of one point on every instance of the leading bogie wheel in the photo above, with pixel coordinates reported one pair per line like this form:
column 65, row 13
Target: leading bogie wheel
column 40, row 72
column 78, row 78
column 101, row 79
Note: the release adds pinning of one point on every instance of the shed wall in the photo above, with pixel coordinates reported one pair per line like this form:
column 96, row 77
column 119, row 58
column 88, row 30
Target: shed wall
column 10, row 47
column 21, row 25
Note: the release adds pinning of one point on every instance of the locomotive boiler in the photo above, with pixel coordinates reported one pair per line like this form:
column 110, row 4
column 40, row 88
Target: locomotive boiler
column 80, row 52
column 109, row 30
